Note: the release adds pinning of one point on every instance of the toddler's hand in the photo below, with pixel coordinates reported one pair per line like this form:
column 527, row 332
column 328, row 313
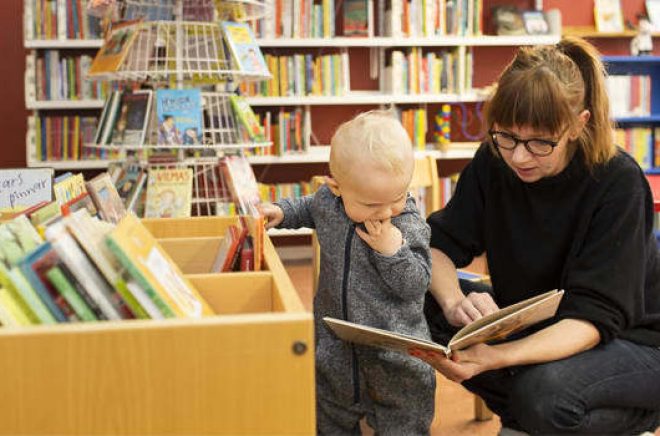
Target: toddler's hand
column 273, row 214
column 382, row 236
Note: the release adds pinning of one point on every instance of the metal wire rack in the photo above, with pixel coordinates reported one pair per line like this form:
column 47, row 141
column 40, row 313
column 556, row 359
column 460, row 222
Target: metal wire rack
column 180, row 54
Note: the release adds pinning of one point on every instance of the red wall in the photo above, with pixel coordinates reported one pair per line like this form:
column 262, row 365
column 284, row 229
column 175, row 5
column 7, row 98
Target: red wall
column 13, row 116
column 488, row 63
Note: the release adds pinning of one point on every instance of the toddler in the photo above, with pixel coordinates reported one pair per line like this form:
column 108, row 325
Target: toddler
column 375, row 270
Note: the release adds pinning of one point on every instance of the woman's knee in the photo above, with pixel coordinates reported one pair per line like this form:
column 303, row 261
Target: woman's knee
column 543, row 400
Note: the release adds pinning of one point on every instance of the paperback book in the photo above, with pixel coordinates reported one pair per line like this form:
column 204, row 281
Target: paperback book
column 247, row 118
column 493, row 327
column 169, row 193
column 244, row 49
column 132, row 119
column 179, row 113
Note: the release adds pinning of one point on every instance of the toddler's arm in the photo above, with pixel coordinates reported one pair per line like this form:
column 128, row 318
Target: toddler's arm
column 408, row 271
column 297, row 212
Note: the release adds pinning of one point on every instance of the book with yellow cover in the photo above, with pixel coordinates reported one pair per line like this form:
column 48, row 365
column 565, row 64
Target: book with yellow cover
column 115, row 48
column 152, row 268
column 169, row 193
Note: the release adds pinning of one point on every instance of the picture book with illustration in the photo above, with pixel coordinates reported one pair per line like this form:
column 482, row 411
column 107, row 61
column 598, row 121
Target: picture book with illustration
column 493, row 327
column 247, row 118
column 179, row 114
column 152, row 268
column 244, row 49
column 115, row 48
column 169, row 193
column 131, row 121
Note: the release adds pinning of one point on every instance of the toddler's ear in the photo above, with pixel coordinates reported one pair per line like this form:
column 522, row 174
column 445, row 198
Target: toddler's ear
column 333, row 185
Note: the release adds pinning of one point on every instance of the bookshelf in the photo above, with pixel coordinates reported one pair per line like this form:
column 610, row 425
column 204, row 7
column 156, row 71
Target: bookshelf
column 366, row 59
column 644, row 148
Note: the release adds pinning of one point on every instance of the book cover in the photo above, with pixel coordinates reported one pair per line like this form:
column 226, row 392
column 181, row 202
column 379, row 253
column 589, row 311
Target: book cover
column 34, row 267
column 106, row 198
column 128, row 181
column 242, row 184
column 179, row 113
column 66, row 289
column 356, row 17
column 608, row 16
column 11, row 314
column 493, row 327
column 247, row 118
column 90, row 233
column 115, row 48
column 244, row 49
column 152, row 268
column 84, row 271
column 131, row 122
column 169, row 193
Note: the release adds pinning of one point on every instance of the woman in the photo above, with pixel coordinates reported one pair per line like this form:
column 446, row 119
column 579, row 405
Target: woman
column 554, row 204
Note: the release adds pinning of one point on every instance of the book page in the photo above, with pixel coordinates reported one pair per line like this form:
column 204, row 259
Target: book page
column 365, row 335
column 508, row 320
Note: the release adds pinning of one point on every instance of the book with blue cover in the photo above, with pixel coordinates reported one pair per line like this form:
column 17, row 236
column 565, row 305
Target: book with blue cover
column 179, row 114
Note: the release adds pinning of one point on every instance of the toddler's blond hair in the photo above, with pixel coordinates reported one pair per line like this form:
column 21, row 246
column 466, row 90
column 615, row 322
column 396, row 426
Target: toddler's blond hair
column 376, row 136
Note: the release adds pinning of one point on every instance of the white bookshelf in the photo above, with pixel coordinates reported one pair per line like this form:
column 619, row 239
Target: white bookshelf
column 321, row 154
column 367, row 97
column 386, row 42
column 62, row 43
column 81, row 164
column 64, row 104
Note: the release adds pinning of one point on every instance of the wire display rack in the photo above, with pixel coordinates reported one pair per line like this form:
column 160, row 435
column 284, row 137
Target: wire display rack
column 220, row 131
column 180, row 44
column 179, row 53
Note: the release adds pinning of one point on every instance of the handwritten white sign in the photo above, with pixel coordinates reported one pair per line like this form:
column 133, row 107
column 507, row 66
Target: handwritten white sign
column 25, row 187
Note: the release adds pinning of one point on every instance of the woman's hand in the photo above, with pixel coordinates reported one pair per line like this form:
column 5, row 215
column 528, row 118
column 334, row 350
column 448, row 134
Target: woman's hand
column 474, row 306
column 273, row 214
column 464, row 364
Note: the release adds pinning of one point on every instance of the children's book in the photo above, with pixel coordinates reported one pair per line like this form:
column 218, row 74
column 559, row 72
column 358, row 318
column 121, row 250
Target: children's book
column 90, row 233
column 108, row 116
column 247, row 118
column 132, row 119
column 152, row 268
column 608, row 15
column 242, row 184
column 115, row 48
column 169, row 193
column 107, row 199
column 97, row 289
column 357, row 18
column 179, row 113
column 244, row 49
column 493, row 327
column 128, row 181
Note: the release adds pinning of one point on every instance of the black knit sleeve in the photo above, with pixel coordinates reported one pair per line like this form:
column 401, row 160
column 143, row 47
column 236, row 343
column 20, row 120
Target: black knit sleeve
column 457, row 230
column 604, row 279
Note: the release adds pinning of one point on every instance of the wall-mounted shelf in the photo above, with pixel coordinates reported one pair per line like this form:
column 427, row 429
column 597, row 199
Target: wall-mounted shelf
column 366, row 97
column 64, row 104
column 591, row 32
column 440, row 41
column 63, row 43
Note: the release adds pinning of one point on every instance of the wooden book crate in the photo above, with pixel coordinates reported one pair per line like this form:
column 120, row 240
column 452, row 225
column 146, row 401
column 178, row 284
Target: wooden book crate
column 248, row 370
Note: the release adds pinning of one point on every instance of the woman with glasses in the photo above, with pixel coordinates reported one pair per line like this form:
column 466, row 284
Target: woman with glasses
column 554, row 204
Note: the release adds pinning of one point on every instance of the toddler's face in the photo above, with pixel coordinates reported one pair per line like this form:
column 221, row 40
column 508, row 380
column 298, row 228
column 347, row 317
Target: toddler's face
column 374, row 195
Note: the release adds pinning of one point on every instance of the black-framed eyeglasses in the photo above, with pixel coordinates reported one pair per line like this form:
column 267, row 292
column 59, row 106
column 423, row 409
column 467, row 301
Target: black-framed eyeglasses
column 537, row 147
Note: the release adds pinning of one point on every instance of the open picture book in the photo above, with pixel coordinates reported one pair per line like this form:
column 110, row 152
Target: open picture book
column 495, row 326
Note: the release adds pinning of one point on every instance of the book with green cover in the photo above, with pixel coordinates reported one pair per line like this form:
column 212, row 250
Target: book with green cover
column 151, row 267
column 247, row 118
column 11, row 313
column 90, row 234
column 66, row 289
